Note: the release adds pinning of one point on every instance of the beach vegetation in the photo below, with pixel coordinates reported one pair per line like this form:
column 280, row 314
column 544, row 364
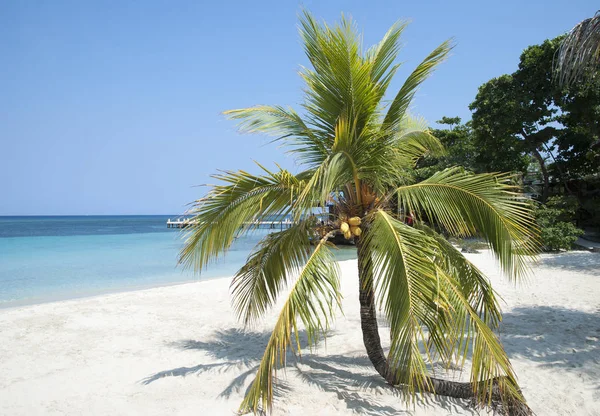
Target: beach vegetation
column 527, row 116
column 555, row 220
column 460, row 149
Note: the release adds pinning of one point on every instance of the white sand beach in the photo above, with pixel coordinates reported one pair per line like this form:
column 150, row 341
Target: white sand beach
column 179, row 350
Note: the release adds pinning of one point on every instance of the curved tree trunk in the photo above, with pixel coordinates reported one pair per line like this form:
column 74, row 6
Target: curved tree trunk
column 372, row 341
column 368, row 317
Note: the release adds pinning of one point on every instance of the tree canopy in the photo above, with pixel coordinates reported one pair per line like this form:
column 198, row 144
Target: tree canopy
column 457, row 139
column 526, row 114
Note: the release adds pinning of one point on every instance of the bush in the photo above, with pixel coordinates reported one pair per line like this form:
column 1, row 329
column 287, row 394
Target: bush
column 555, row 219
column 471, row 245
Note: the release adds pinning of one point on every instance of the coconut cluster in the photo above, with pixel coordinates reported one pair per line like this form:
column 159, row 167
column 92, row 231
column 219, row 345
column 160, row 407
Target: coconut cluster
column 351, row 228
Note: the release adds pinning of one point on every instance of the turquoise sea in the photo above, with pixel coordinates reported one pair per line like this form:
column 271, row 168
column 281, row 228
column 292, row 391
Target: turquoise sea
column 53, row 258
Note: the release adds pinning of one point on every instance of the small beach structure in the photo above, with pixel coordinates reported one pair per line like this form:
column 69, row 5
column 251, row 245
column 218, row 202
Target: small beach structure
column 180, row 222
column 183, row 222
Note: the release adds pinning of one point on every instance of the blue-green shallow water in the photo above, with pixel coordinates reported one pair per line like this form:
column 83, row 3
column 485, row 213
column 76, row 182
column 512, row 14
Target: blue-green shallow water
column 52, row 258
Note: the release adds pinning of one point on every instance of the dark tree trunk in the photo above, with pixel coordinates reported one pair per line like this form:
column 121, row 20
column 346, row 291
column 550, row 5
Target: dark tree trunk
column 545, row 175
column 372, row 341
column 368, row 317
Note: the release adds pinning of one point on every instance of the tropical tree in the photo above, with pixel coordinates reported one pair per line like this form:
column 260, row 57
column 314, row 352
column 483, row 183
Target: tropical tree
column 579, row 53
column 459, row 141
column 354, row 144
column 527, row 115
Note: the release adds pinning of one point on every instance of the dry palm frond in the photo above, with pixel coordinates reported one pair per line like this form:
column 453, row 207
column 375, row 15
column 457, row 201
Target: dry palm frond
column 579, row 52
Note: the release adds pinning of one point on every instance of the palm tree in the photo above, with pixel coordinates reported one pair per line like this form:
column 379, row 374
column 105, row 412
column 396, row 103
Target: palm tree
column 579, row 51
column 352, row 143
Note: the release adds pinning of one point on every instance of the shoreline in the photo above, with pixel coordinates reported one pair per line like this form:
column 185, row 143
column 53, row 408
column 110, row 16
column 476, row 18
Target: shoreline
column 10, row 305
column 86, row 294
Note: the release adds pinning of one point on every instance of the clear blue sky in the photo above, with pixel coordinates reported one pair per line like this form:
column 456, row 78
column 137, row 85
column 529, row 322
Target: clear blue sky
column 110, row 107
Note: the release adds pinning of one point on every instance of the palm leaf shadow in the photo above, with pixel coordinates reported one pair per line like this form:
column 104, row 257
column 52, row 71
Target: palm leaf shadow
column 346, row 376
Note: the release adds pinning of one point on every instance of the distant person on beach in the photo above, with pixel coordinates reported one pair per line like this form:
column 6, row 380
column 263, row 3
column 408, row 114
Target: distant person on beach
column 410, row 219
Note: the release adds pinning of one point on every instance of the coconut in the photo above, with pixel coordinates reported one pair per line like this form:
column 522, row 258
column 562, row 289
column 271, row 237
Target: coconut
column 344, row 227
column 356, row 231
column 348, row 235
column 354, row 221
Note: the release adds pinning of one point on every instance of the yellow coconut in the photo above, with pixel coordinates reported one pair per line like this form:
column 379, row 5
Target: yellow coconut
column 356, row 231
column 348, row 235
column 354, row 221
column 344, row 227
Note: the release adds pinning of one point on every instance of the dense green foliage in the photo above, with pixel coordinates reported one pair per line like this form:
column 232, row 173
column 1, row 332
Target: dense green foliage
column 460, row 148
column 353, row 141
column 527, row 113
column 555, row 219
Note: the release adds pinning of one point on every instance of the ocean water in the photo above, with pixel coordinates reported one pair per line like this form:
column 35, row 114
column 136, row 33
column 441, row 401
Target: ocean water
column 53, row 258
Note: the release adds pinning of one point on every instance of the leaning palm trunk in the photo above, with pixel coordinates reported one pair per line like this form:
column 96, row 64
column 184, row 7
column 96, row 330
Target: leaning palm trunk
column 359, row 154
column 368, row 315
column 579, row 52
column 372, row 342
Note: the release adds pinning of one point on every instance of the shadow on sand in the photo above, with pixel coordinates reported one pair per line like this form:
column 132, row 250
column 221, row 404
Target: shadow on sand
column 555, row 337
column 577, row 261
column 552, row 336
column 346, row 376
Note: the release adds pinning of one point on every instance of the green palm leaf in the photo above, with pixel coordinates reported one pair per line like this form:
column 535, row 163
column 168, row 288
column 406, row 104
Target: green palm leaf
column 475, row 286
column 404, row 97
column 230, row 208
column 384, row 54
column 436, row 309
column 312, row 298
column 414, row 144
column 286, row 125
column 490, row 364
column 465, row 204
column 278, row 256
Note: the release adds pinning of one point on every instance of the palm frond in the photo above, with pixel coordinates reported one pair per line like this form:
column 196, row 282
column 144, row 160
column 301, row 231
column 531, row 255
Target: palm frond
column 278, row 256
column 313, row 298
column 475, row 286
column 405, row 95
column 437, row 307
column 329, row 177
column 341, row 82
column 384, row 54
column 229, row 208
column 413, row 144
column 286, row 125
column 490, row 364
column 465, row 204
column 579, row 52
column 382, row 57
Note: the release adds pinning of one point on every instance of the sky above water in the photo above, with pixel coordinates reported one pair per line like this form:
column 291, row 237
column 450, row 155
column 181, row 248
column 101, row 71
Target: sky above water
column 111, row 107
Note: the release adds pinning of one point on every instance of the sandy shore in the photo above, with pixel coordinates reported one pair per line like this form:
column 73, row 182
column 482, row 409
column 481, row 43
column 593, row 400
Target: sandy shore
column 179, row 350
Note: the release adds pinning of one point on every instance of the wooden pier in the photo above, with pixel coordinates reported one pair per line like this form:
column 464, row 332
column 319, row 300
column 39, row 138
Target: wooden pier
column 180, row 222
column 272, row 225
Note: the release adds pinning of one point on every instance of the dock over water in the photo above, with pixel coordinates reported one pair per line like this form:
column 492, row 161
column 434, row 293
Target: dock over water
column 273, row 225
